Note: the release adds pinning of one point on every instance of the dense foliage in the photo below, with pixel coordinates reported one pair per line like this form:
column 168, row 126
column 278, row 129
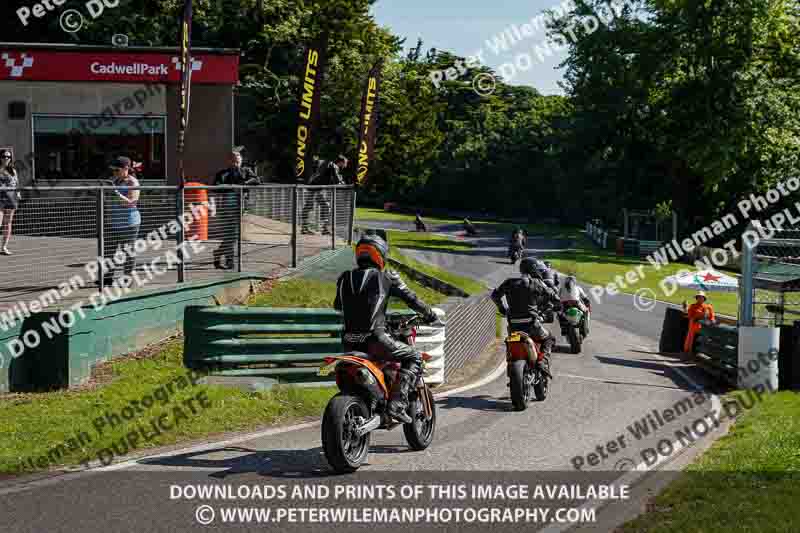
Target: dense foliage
column 687, row 102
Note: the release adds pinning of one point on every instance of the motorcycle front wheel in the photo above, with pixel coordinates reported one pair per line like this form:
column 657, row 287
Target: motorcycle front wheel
column 519, row 387
column 344, row 451
column 419, row 433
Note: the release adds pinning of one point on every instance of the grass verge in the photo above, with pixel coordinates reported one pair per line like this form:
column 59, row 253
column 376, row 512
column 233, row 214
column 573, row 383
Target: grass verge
column 548, row 230
column 315, row 293
column 38, row 428
column 748, row 480
column 370, row 213
column 601, row 267
column 467, row 285
column 425, row 241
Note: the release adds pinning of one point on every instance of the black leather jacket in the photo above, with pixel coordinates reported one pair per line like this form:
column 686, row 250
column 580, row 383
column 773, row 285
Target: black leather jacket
column 235, row 176
column 526, row 296
column 363, row 294
column 328, row 173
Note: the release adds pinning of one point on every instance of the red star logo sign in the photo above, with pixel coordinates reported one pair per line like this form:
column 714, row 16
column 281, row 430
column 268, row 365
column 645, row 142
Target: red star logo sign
column 711, row 277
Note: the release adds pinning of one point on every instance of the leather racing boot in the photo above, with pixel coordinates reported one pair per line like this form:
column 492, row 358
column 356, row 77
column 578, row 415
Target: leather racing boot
column 398, row 404
column 547, row 349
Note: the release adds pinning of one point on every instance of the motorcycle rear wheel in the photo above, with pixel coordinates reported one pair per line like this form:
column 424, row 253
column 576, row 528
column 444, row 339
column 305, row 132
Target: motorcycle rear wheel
column 344, row 452
column 575, row 340
column 519, row 387
column 419, row 433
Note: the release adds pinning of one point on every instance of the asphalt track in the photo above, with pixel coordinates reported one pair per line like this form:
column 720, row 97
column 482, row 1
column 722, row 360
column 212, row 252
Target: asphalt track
column 595, row 399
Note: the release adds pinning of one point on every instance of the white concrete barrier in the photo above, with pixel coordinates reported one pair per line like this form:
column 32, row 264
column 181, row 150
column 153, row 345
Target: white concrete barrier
column 758, row 360
column 431, row 341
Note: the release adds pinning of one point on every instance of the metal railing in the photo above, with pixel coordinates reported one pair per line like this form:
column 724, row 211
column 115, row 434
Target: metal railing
column 76, row 241
column 769, row 288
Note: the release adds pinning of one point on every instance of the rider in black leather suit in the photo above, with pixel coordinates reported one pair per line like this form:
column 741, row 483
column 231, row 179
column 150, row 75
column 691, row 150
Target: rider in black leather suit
column 362, row 295
column 526, row 297
column 547, row 274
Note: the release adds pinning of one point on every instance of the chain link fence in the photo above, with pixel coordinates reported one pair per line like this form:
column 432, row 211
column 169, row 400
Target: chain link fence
column 471, row 328
column 770, row 284
column 72, row 242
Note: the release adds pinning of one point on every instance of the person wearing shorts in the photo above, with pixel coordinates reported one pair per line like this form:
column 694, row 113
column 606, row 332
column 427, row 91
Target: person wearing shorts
column 9, row 196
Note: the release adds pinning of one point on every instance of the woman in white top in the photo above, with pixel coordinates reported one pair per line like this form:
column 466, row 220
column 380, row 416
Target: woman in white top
column 9, row 196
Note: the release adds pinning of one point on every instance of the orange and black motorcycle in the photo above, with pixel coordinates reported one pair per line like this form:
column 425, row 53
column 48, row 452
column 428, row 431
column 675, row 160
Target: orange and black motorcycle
column 361, row 405
column 526, row 378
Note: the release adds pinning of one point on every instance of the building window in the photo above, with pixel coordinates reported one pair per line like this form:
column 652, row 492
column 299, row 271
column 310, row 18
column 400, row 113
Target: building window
column 80, row 147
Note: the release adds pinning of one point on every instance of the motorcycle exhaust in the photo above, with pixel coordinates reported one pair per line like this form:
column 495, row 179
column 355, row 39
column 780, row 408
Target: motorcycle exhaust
column 371, row 425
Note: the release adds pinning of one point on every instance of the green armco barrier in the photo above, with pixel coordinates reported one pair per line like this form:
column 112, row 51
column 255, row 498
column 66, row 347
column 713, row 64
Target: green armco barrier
column 285, row 344
column 721, row 344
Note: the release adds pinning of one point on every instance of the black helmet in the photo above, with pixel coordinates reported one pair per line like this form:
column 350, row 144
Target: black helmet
column 372, row 250
column 528, row 266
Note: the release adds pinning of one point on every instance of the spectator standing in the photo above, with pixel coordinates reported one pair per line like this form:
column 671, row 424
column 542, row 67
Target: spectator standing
column 9, row 195
column 125, row 217
column 328, row 173
column 236, row 175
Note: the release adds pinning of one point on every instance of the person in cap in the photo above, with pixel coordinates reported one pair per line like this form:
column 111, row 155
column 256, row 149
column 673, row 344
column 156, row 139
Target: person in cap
column 125, row 219
column 9, row 196
column 699, row 310
column 362, row 295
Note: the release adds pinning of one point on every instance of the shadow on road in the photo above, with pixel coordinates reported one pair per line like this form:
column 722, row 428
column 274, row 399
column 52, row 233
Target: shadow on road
column 476, row 403
column 308, row 463
column 657, row 367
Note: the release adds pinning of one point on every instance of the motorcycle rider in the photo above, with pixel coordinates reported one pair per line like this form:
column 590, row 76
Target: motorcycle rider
column 572, row 292
column 546, row 274
column 420, row 223
column 362, row 295
column 519, row 241
column 527, row 296
column 469, row 227
column 521, row 235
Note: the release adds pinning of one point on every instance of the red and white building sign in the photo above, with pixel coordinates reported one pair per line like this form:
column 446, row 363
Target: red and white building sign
column 51, row 65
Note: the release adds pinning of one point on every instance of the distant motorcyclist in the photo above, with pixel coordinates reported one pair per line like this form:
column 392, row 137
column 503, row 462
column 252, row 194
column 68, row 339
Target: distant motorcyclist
column 526, row 298
column 520, row 235
column 519, row 241
column 420, row 223
column 362, row 295
column 469, row 227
